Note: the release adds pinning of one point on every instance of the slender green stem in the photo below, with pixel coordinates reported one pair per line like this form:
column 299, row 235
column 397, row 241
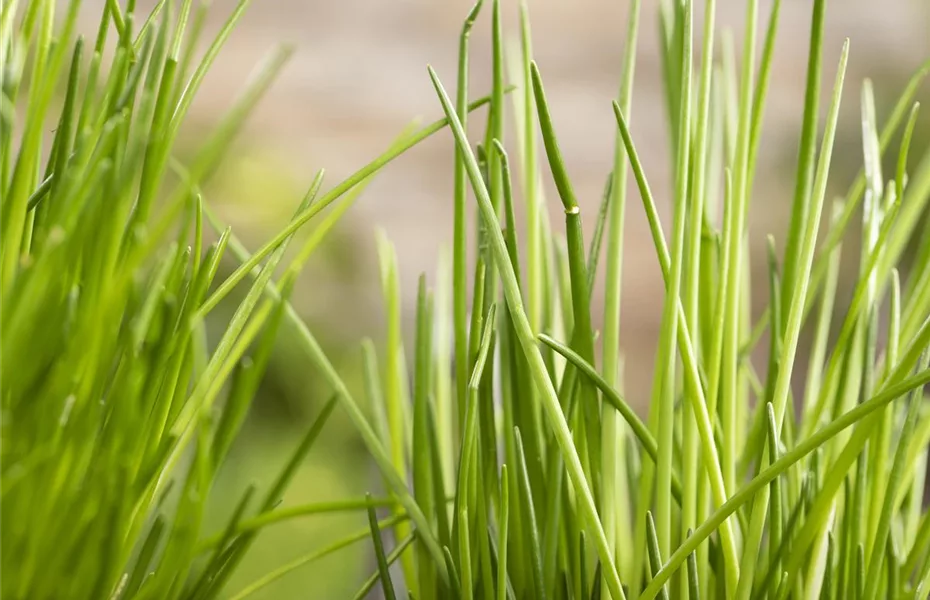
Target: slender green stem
column 527, row 341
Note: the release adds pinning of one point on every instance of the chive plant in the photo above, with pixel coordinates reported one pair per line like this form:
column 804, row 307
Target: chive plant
column 117, row 408
column 512, row 462
column 736, row 485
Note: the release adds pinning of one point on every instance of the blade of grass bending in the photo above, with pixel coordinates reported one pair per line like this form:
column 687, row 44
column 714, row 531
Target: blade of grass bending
column 328, row 198
column 313, row 556
column 316, row 354
column 917, row 305
column 640, row 430
column 459, row 241
column 537, row 367
column 692, row 377
column 327, row 224
column 789, row 458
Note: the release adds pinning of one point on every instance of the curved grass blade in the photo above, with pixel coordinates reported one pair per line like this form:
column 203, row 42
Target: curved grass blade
column 797, row 453
column 327, row 199
column 537, row 366
column 398, row 486
column 640, row 430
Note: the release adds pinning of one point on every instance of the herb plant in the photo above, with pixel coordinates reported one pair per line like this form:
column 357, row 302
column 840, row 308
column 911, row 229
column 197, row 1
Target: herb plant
column 513, row 464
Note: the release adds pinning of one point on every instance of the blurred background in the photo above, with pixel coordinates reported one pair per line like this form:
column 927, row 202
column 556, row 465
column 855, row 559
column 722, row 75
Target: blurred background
column 358, row 77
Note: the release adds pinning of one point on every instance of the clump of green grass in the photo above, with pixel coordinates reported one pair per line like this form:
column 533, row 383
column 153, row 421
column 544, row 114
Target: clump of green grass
column 514, row 466
column 117, row 410
column 736, row 485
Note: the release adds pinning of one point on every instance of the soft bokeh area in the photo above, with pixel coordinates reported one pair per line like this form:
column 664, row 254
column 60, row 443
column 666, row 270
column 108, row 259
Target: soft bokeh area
column 356, row 79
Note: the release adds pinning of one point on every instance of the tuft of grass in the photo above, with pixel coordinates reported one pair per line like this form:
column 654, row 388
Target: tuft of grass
column 514, row 467
column 118, row 410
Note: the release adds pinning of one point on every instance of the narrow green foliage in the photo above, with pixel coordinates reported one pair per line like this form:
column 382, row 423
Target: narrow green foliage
column 384, row 572
column 512, row 460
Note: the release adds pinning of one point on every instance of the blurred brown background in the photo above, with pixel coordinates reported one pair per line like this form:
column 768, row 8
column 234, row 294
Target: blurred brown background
column 357, row 78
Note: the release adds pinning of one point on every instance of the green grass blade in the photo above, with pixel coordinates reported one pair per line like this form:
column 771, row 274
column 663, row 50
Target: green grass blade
column 640, row 430
column 384, row 572
column 459, row 243
column 692, row 377
column 310, row 345
column 502, row 532
column 795, row 454
column 422, row 457
column 655, row 553
column 537, row 367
